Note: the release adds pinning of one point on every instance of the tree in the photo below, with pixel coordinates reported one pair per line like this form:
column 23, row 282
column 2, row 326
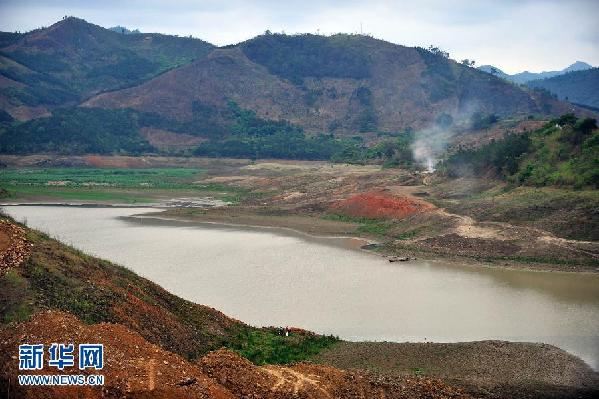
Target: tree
column 586, row 126
column 566, row 120
column 467, row 62
column 479, row 121
column 437, row 51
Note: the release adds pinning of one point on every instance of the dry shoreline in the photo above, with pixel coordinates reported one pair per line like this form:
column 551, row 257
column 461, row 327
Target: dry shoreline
column 317, row 228
column 483, row 368
column 321, row 228
column 476, row 221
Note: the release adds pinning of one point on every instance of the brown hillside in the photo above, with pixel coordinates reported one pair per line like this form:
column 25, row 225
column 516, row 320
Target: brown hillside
column 400, row 87
column 224, row 74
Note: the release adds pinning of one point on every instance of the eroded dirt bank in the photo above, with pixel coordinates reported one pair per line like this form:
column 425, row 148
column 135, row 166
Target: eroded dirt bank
column 14, row 247
column 138, row 369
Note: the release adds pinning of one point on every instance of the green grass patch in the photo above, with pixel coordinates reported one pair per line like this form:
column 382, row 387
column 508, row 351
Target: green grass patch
column 269, row 346
column 121, row 185
column 378, row 228
column 368, row 226
column 408, row 235
column 167, row 178
column 15, row 301
column 418, row 371
column 83, row 194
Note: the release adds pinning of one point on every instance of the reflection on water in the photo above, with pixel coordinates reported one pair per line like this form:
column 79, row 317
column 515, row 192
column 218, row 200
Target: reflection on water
column 273, row 277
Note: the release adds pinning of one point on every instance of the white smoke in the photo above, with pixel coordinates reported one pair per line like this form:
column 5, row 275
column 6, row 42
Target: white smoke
column 429, row 145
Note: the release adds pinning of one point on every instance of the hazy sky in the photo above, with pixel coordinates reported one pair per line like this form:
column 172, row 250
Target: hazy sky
column 514, row 35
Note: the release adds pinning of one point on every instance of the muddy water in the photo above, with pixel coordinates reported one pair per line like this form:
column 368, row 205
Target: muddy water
column 272, row 277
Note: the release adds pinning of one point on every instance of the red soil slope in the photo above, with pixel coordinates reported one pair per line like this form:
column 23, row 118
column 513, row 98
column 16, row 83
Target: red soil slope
column 380, row 205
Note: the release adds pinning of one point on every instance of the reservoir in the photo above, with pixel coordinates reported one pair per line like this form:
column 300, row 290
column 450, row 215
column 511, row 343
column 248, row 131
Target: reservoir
column 276, row 277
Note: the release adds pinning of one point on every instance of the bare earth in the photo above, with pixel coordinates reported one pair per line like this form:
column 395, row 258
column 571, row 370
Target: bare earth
column 484, row 368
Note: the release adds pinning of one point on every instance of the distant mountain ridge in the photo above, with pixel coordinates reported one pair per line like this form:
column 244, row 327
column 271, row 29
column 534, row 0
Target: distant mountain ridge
column 346, row 84
column 115, row 90
column 578, row 87
column 72, row 60
column 524, row 77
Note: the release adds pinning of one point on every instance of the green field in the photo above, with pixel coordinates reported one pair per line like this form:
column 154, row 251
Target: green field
column 110, row 185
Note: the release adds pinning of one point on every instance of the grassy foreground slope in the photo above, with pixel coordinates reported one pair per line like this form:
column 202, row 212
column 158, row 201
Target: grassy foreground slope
column 562, row 153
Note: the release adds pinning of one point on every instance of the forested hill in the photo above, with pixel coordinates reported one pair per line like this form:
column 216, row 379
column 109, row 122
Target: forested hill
column 563, row 153
column 75, row 87
column 344, row 84
column 73, row 59
column 525, row 77
column 580, row 87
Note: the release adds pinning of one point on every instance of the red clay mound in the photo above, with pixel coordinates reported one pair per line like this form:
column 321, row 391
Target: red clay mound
column 380, row 205
column 238, row 375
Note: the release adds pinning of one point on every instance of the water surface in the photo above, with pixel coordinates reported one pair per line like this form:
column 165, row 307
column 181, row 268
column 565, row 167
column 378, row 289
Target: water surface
column 273, row 277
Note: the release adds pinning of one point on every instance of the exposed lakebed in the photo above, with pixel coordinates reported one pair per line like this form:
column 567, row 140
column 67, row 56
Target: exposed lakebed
column 277, row 277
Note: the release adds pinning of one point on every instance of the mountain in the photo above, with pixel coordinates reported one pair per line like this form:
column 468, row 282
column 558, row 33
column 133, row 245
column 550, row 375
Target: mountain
column 297, row 96
column 523, row 77
column 579, row 87
column 346, row 84
column 73, row 60
column 577, row 66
